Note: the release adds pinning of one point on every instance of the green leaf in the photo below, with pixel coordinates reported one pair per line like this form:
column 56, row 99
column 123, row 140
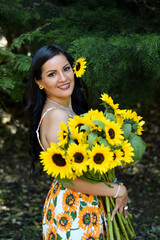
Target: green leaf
column 55, row 222
column 139, row 147
column 81, row 207
column 99, row 124
column 74, row 215
column 127, row 128
column 85, row 127
column 103, row 141
column 83, row 203
column 93, row 181
column 64, row 181
column 59, row 237
column 94, row 203
column 55, row 202
column 91, row 138
column 110, row 116
column 68, row 234
column 62, row 187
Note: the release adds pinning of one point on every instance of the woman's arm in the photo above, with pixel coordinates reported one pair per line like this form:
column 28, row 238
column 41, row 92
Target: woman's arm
column 100, row 189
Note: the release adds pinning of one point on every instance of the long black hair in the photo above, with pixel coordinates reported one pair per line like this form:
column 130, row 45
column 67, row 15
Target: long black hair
column 36, row 97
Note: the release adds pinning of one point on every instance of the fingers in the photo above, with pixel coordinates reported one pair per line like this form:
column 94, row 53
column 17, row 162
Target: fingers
column 125, row 211
column 122, row 210
column 113, row 213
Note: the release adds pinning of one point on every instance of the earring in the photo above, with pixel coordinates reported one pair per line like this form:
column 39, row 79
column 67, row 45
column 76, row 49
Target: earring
column 40, row 87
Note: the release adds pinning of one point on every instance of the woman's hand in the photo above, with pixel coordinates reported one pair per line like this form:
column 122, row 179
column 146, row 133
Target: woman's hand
column 121, row 202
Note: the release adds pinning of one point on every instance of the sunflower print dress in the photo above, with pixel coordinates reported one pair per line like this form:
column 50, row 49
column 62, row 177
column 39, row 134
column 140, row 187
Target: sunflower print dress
column 71, row 215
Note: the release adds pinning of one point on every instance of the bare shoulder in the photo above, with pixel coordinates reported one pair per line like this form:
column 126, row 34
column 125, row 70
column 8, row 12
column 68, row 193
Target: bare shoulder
column 51, row 125
column 55, row 116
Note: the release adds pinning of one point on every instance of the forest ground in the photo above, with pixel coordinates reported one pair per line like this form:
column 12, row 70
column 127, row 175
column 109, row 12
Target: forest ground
column 22, row 195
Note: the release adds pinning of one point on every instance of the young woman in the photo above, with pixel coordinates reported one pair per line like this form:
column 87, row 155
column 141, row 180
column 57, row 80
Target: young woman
column 54, row 95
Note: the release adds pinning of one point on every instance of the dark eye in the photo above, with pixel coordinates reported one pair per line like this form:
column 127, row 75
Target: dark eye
column 67, row 68
column 51, row 74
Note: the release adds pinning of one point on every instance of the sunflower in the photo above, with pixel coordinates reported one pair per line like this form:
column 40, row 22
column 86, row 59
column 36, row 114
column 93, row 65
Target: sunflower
column 113, row 133
column 79, row 158
column 90, row 235
column 120, row 115
column 51, row 233
column 95, row 218
column 117, row 158
column 78, row 137
column 101, row 236
column 77, row 122
column 135, row 120
column 56, row 163
column 63, row 134
column 64, row 221
column 50, row 213
column 127, row 151
column 84, row 218
column 100, row 158
column 70, row 201
column 109, row 104
column 95, row 115
column 79, row 67
column 139, row 128
column 87, row 197
column 55, row 189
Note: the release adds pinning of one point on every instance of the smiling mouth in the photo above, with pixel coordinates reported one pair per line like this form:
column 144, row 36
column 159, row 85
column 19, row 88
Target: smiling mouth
column 65, row 86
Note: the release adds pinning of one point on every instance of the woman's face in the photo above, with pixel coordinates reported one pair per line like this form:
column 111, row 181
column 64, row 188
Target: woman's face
column 57, row 78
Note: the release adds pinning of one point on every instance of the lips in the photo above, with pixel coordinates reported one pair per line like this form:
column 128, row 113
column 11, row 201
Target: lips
column 65, row 86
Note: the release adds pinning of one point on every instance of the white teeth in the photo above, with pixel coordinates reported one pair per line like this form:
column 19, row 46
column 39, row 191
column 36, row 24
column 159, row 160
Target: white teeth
column 65, row 86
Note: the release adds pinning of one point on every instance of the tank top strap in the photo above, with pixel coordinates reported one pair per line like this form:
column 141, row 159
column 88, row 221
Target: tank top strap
column 37, row 131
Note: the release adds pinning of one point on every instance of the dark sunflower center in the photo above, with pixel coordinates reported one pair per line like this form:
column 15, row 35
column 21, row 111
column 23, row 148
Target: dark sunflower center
column 111, row 133
column 87, row 219
column 51, row 236
column 56, row 188
column 78, row 66
column 114, row 156
column 101, row 237
column 63, row 221
column 94, row 218
column 70, row 200
column 80, row 125
column 64, row 134
column 78, row 157
column 76, row 141
column 123, row 152
column 98, row 158
column 59, row 160
column 49, row 215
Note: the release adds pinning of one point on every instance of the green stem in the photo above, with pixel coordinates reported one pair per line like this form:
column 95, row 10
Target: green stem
column 110, row 227
column 115, row 225
column 129, row 222
column 120, row 222
column 129, row 230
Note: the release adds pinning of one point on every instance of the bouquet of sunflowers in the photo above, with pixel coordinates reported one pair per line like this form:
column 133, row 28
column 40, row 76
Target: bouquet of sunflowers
column 91, row 146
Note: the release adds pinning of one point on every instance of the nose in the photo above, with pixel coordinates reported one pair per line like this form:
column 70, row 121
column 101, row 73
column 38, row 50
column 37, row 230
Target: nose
column 62, row 77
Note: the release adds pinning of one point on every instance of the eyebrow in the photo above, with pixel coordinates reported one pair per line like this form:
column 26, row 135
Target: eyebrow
column 51, row 70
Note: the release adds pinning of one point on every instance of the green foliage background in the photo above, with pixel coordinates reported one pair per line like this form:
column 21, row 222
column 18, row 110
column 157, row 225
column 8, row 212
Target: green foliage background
column 119, row 39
